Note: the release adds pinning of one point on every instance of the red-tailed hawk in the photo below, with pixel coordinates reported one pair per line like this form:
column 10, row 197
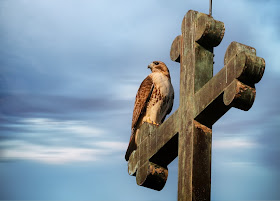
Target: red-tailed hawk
column 154, row 100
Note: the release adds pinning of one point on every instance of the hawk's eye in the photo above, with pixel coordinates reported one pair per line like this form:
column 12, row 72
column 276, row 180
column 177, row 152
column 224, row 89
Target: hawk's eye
column 156, row 63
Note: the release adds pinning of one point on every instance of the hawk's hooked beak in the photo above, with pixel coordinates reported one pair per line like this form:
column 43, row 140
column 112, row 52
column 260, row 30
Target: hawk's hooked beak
column 150, row 66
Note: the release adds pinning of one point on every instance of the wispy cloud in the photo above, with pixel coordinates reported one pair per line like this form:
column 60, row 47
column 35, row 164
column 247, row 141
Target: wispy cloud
column 22, row 150
column 233, row 143
column 78, row 128
column 111, row 145
column 56, row 141
column 25, row 104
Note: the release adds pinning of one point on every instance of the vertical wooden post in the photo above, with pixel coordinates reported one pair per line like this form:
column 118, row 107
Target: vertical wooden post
column 185, row 148
column 195, row 139
column 188, row 134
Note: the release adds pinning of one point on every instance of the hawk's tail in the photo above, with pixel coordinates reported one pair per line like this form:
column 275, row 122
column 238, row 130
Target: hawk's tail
column 131, row 146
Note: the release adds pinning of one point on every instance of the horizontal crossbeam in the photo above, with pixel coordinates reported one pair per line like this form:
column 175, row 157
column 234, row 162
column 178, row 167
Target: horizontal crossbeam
column 153, row 143
column 217, row 96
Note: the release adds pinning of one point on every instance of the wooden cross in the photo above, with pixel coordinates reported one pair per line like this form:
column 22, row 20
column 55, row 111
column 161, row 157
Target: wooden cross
column 187, row 133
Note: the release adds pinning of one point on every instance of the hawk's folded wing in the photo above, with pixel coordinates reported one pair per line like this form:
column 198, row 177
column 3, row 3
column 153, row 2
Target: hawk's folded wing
column 142, row 98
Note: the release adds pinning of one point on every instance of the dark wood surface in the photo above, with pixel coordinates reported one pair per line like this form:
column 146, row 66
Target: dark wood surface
column 204, row 99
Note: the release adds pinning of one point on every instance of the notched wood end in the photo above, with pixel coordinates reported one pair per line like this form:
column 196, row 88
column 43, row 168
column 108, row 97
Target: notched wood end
column 132, row 164
column 253, row 71
column 152, row 176
column 244, row 97
column 176, row 49
column 209, row 32
column 239, row 95
column 235, row 48
column 188, row 19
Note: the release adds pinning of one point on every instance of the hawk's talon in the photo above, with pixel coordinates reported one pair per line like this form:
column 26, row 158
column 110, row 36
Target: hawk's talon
column 151, row 122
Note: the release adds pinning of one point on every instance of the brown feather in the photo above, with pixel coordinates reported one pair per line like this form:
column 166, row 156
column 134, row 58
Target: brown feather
column 154, row 100
column 142, row 97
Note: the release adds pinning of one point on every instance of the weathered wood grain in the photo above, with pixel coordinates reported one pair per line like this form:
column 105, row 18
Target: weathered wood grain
column 203, row 100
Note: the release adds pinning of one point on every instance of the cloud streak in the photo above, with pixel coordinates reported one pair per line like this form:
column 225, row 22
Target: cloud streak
column 44, row 104
column 21, row 150
column 59, row 142
column 233, row 143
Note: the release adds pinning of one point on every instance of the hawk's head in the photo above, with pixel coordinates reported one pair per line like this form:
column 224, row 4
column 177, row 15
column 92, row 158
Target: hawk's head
column 159, row 66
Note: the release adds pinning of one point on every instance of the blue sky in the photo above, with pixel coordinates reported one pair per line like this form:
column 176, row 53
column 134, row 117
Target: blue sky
column 69, row 74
